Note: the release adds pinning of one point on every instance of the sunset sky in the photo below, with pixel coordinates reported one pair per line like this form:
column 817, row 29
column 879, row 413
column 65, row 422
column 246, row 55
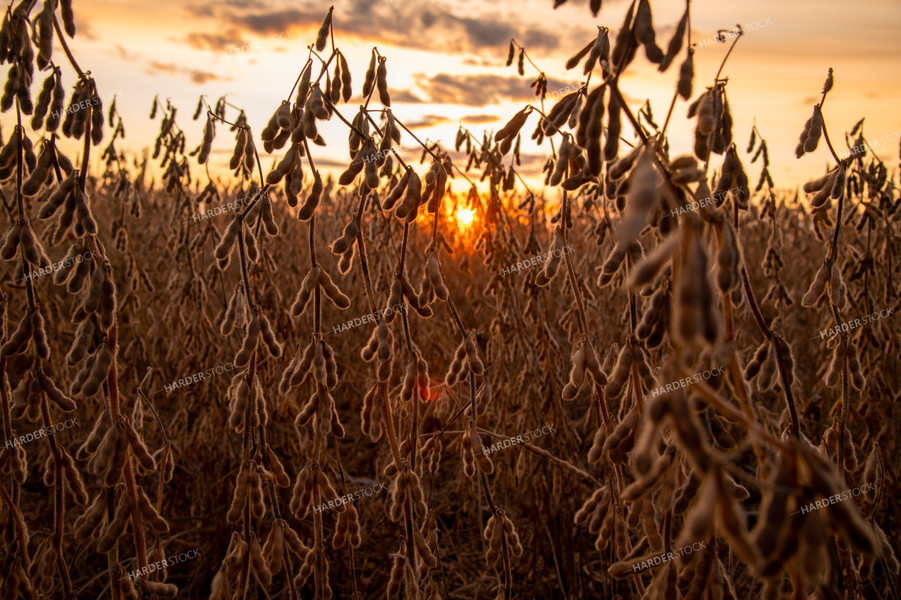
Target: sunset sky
column 446, row 64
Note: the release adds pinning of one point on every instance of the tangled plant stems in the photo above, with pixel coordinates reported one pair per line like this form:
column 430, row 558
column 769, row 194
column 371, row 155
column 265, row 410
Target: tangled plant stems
column 648, row 457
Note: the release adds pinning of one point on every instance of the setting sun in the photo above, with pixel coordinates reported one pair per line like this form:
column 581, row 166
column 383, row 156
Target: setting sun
column 465, row 216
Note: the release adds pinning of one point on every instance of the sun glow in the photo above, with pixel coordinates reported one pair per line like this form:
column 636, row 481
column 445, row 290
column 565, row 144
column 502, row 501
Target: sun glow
column 465, row 216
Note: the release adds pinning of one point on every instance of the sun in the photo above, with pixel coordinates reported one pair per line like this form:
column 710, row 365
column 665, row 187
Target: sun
column 465, row 216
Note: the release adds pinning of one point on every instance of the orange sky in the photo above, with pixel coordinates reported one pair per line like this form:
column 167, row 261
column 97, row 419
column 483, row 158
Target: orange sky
column 446, row 64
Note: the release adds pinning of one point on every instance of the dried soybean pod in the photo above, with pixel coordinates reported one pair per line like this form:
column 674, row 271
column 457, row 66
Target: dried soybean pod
column 312, row 201
column 675, row 43
column 258, row 563
column 294, row 542
column 68, row 17
column 382, row 82
column 157, row 523
column 597, row 502
column 614, row 128
column 369, row 79
column 92, row 300
column 772, row 527
column 39, row 334
column 206, row 145
column 398, row 190
column 56, row 105
column 116, row 527
column 38, row 176
column 242, row 487
column 268, row 218
column 98, row 371
column 275, row 348
column 44, row 23
column 817, row 288
column 274, row 548
column 434, row 274
column 12, row 241
column 106, row 310
column 307, row 287
column 559, row 113
column 56, row 395
column 322, row 36
column 90, row 519
column 759, row 358
column 407, row 209
column 346, row 88
column 839, row 185
column 277, row 469
column 591, row 127
column 43, row 103
column 158, row 588
column 600, row 50
column 513, row 125
column 238, row 153
column 331, row 290
column 279, row 119
column 18, row 341
column 574, row 59
column 818, row 184
column 73, row 478
column 138, row 448
column 97, row 122
column 644, row 32
column 511, row 54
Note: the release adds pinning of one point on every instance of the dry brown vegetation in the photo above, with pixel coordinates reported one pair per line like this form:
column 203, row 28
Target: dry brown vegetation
column 634, row 293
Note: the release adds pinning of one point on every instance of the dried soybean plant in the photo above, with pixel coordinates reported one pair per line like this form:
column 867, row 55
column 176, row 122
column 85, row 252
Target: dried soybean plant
column 115, row 450
column 669, row 440
column 685, row 411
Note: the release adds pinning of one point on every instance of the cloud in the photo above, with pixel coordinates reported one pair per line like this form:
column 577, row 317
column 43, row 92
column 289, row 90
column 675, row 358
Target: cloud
column 195, row 75
column 404, row 97
column 480, row 119
column 428, row 121
column 273, row 22
column 215, row 41
column 424, row 25
column 83, row 29
column 478, row 90
column 124, row 54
